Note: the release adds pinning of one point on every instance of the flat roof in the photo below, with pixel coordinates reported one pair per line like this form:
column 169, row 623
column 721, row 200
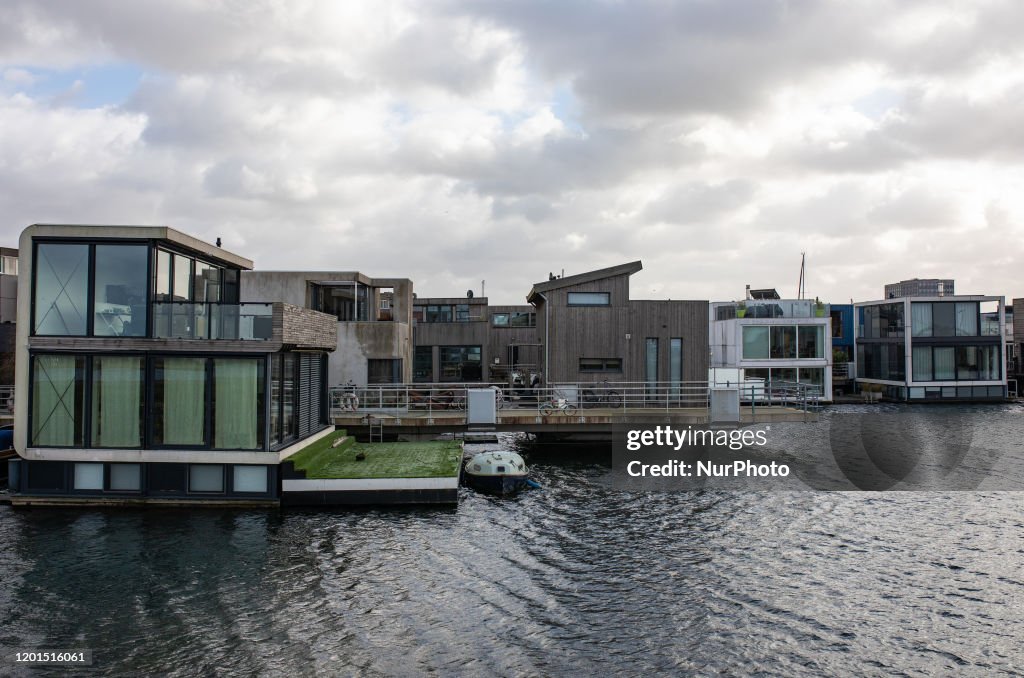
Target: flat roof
column 135, row 232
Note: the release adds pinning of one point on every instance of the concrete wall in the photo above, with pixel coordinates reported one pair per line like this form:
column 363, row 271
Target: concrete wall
column 357, row 341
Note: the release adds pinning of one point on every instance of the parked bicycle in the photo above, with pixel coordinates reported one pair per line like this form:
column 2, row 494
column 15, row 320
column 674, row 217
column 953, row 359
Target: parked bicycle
column 557, row 405
column 349, row 398
column 601, row 395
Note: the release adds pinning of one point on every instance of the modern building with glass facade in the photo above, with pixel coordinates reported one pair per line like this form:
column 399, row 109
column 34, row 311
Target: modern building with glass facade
column 140, row 377
column 932, row 348
column 775, row 340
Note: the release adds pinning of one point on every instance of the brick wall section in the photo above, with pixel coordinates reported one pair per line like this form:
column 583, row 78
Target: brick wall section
column 304, row 328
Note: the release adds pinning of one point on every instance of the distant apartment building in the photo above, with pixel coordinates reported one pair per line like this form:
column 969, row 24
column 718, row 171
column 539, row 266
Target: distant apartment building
column 920, row 287
column 590, row 330
column 373, row 316
column 932, row 348
column 141, row 377
column 774, row 340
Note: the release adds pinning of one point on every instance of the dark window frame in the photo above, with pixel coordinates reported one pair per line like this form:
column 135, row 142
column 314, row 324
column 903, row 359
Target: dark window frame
column 569, row 301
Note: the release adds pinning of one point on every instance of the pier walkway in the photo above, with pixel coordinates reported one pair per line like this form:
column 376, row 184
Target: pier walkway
column 414, row 410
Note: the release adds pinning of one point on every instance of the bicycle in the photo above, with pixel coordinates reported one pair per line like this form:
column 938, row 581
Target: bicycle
column 604, row 395
column 349, row 399
column 557, row 405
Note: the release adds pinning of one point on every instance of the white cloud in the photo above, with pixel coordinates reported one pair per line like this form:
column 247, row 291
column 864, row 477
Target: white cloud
column 399, row 138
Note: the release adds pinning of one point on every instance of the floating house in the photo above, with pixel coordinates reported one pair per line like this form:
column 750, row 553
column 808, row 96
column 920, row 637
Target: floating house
column 464, row 339
column 776, row 340
column 590, row 331
column 142, row 377
column 932, row 348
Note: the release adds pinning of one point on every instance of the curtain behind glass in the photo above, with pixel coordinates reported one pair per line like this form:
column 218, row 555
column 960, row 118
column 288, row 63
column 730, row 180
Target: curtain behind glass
column 922, row 357
column 944, row 363
column 966, row 320
column 921, row 317
column 54, row 406
column 235, row 391
column 117, row 401
column 184, row 401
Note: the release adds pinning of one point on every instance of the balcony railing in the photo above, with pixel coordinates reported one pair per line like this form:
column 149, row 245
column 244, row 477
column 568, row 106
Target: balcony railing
column 773, row 308
column 236, row 322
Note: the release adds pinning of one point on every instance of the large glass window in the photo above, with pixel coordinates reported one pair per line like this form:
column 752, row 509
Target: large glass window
column 58, row 400
column 179, row 408
column 61, row 289
column 812, row 341
column 836, row 318
column 814, row 376
column 121, row 290
column 275, row 398
column 384, row 371
column 182, row 278
column 163, row 275
column 675, row 364
column 944, row 363
column 966, row 319
column 783, row 342
column 881, row 361
column 755, row 342
column 651, row 360
column 590, row 299
column 921, row 319
column 461, row 363
column 967, row 362
column 289, row 396
column 238, row 403
column 944, row 320
column 117, row 384
column 423, row 364
column 881, row 321
column 500, row 319
column 207, row 282
column 922, row 358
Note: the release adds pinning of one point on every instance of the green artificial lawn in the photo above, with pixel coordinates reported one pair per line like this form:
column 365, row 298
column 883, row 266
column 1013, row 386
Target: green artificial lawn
column 430, row 459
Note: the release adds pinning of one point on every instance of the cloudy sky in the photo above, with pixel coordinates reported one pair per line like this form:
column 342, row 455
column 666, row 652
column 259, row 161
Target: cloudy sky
column 458, row 141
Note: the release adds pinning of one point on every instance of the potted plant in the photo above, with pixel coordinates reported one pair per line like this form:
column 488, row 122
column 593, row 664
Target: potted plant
column 819, row 308
column 741, row 309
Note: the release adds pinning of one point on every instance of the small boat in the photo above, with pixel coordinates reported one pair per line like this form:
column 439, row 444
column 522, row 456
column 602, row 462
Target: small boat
column 497, row 472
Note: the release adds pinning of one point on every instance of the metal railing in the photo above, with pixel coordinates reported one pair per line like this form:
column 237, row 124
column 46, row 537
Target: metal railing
column 805, row 397
column 585, row 396
column 189, row 320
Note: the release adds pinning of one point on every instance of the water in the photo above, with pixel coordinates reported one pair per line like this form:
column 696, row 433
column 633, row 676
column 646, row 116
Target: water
column 575, row 578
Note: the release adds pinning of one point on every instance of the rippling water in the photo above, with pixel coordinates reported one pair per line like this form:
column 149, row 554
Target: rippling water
column 574, row 578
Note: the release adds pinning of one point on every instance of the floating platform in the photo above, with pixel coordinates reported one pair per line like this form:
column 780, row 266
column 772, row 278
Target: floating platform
column 337, row 471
